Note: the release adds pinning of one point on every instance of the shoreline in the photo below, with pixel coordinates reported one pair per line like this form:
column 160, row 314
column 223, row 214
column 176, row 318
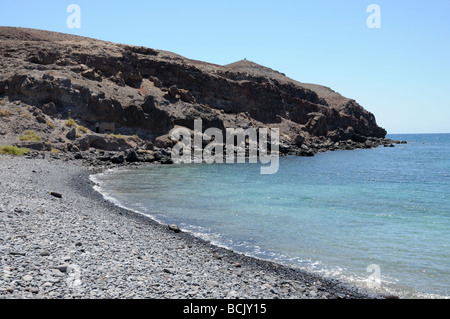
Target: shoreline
column 83, row 246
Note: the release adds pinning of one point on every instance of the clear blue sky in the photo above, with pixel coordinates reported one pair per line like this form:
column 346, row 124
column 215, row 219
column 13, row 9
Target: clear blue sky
column 400, row 72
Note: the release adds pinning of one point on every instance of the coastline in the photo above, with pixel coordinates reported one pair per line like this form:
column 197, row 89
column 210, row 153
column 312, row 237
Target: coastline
column 83, row 246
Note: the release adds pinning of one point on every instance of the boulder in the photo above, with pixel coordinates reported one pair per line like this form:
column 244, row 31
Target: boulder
column 78, row 156
column 157, row 83
column 148, row 158
column 72, row 134
column 186, row 96
column 119, row 159
column 149, row 146
column 173, row 92
column 43, row 56
column 166, row 161
column 132, row 157
column 359, row 138
column 91, row 75
column 41, row 119
column 36, row 146
column 49, row 108
column 101, row 142
column 299, row 140
column 164, row 141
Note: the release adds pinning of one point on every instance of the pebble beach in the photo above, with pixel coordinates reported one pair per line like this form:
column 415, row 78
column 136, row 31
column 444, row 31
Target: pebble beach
column 60, row 239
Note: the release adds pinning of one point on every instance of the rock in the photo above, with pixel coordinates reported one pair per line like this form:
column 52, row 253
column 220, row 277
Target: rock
column 317, row 125
column 173, row 92
column 27, row 278
column 76, row 283
column 72, row 134
column 186, row 96
column 33, row 290
column 148, row 158
column 49, row 108
column 157, row 83
column 104, row 127
column 169, row 271
column 284, row 148
column 43, row 56
column 149, row 146
column 174, row 228
column 369, row 144
column 55, row 194
column 62, row 268
column 306, row 153
column 44, row 253
column 91, row 74
column 164, row 141
column 32, row 145
column 75, row 149
column 119, row 159
column 78, row 156
column 166, row 161
column 41, row 119
column 212, row 284
column 101, row 142
column 52, row 280
column 17, row 253
column 132, row 157
column 299, row 140
column 359, row 138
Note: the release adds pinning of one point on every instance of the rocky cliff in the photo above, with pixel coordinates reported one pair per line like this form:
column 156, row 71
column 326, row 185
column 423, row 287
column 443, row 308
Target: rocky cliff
column 72, row 90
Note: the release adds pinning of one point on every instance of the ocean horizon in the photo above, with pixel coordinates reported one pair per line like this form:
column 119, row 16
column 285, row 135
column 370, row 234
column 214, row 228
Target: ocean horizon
column 375, row 218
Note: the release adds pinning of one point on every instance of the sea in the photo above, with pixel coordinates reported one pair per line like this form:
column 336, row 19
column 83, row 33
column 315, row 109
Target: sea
column 377, row 218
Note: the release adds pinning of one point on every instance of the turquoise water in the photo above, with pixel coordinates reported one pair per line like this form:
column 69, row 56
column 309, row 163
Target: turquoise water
column 334, row 214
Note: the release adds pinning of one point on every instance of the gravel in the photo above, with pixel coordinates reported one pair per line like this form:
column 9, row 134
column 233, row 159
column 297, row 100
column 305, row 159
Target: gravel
column 79, row 245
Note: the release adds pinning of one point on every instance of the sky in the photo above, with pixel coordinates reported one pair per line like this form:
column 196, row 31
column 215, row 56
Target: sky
column 399, row 71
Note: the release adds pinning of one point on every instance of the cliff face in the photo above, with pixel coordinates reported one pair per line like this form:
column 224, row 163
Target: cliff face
column 136, row 90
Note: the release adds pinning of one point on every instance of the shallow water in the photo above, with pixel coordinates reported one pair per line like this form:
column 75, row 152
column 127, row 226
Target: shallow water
column 335, row 214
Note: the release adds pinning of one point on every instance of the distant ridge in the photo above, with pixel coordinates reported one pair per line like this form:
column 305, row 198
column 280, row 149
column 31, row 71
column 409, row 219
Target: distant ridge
column 254, row 68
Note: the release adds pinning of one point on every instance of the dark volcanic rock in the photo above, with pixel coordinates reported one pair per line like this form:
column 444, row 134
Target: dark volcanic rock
column 55, row 194
column 132, row 157
column 72, row 134
column 148, row 92
column 119, row 159
column 102, row 142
